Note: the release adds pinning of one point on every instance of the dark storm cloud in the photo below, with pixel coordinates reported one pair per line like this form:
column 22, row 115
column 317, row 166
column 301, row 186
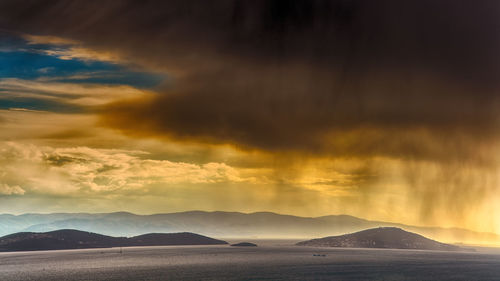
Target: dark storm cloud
column 397, row 78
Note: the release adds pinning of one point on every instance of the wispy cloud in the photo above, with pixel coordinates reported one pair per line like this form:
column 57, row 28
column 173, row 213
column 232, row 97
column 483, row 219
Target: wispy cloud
column 84, row 54
column 52, row 40
column 71, row 93
column 68, row 49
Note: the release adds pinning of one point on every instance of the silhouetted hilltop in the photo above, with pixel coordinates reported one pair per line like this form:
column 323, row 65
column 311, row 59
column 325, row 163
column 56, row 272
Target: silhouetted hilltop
column 244, row 244
column 382, row 237
column 165, row 239
column 75, row 239
column 54, row 240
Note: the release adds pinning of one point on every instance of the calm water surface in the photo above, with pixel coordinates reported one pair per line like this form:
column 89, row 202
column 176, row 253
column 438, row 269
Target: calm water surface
column 261, row 263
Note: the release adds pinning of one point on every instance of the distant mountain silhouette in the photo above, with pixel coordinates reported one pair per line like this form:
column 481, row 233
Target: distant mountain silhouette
column 75, row 239
column 222, row 224
column 382, row 237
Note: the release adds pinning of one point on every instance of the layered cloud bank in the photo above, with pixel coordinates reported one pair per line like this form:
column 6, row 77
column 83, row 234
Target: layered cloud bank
column 86, row 169
column 324, row 106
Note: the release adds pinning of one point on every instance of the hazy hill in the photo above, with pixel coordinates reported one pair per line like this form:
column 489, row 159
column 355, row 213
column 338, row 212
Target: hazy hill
column 61, row 239
column 75, row 239
column 382, row 237
column 223, row 224
column 167, row 239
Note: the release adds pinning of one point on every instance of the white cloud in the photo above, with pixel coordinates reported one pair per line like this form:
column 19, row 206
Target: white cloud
column 83, row 169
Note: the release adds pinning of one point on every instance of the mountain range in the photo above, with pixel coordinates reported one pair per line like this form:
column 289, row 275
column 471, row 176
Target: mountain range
column 224, row 224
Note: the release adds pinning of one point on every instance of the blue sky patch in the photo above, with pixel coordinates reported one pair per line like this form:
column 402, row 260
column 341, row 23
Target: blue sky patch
column 21, row 60
column 32, row 65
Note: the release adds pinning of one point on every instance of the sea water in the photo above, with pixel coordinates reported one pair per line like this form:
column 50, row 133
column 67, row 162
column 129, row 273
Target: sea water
column 248, row 263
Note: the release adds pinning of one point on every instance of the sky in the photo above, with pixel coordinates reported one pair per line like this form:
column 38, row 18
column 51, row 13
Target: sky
column 385, row 110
